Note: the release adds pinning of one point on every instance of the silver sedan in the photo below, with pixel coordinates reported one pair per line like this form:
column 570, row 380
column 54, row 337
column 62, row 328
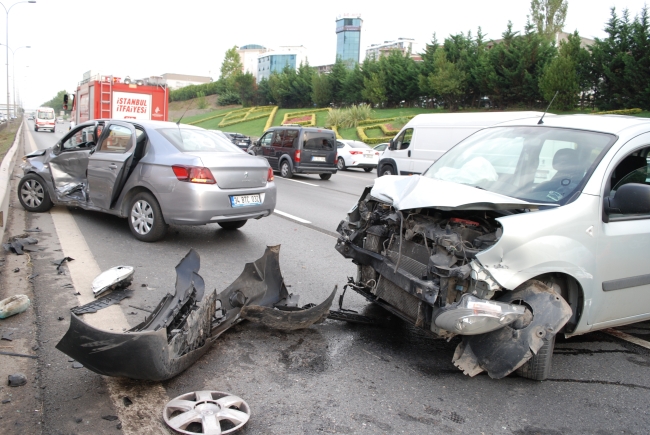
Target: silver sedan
column 152, row 173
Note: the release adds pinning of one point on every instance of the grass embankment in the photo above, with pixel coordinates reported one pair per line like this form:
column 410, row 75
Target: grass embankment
column 7, row 136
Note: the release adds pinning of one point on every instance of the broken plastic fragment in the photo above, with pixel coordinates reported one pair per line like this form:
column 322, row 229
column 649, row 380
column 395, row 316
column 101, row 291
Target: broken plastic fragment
column 13, row 305
column 103, row 302
column 113, row 278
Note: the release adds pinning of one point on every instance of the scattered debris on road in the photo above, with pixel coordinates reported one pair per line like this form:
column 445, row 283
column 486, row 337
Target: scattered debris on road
column 16, row 380
column 206, row 412
column 105, row 301
column 114, row 278
column 12, row 305
column 19, row 244
column 59, row 264
column 22, row 355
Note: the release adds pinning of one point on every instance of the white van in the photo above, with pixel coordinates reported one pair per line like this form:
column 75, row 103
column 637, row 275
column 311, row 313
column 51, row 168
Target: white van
column 44, row 119
column 428, row 136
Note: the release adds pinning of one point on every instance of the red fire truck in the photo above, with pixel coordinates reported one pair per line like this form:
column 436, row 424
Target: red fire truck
column 102, row 97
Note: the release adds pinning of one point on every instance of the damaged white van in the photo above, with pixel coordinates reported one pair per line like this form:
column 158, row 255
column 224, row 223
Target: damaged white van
column 522, row 231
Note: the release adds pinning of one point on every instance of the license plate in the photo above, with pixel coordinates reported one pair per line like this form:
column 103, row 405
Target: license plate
column 317, row 159
column 369, row 155
column 244, row 200
column 242, row 143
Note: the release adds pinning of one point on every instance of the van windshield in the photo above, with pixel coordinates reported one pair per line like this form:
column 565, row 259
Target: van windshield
column 45, row 115
column 536, row 164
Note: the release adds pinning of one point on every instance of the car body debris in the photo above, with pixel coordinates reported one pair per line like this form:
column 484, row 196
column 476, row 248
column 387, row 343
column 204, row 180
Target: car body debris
column 188, row 320
column 104, row 302
column 59, row 264
column 114, row 278
column 12, row 305
column 16, row 380
column 19, row 244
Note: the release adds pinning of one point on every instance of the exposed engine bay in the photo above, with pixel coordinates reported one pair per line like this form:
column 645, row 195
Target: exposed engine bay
column 421, row 265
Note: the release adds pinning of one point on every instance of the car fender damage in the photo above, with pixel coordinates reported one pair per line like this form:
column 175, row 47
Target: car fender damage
column 185, row 324
column 502, row 351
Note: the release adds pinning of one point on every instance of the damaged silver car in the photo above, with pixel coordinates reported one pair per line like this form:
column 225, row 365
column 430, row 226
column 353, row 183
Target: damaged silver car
column 152, row 173
column 522, row 231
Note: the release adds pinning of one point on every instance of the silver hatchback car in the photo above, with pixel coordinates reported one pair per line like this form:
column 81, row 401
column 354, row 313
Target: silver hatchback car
column 520, row 232
column 153, row 173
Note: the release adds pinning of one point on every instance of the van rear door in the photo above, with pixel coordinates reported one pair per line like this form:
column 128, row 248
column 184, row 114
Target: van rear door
column 318, row 149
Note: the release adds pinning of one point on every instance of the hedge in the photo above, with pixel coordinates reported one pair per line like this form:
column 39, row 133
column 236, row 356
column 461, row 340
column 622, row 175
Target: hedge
column 620, row 112
column 383, row 120
column 361, row 132
column 335, row 129
column 269, row 122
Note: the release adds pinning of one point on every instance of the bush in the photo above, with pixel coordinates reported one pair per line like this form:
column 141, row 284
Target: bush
column 201, row 103
column 354, row 114
column 228, row 98
column 620, row 112
column 334, row 118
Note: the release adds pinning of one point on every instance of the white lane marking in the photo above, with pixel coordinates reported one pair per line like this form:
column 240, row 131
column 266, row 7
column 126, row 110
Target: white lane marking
column 296, row 181
column 627, row 337
column 143, row 416
column 290, row 216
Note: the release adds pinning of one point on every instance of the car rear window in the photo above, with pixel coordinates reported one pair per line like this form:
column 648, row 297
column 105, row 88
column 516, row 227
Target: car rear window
column 319, row 141
column 189, row 140
column 45, row 115
column 358, row 145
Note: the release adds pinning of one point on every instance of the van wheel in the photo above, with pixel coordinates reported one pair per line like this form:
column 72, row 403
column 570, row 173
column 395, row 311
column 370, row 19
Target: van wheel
column 386, row 170
column 325, row 176
column 538, row 368
column 146, row 219
column 340, row 164
column 285, row 169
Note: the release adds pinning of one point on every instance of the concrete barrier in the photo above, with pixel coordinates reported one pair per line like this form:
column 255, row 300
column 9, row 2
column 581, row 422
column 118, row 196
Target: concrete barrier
column 6, row 170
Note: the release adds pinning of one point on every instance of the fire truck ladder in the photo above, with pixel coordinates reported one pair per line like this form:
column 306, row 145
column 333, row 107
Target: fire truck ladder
column 106, row 94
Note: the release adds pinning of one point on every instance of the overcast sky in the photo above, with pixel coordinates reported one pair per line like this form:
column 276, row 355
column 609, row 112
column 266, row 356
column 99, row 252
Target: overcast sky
column 141, row 38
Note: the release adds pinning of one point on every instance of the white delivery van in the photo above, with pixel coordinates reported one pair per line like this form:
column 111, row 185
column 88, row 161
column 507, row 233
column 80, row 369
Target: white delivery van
column 428, row 136
column 44, row 119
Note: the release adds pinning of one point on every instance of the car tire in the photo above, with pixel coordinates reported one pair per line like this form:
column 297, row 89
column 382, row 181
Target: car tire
column 386, row 170
column 340, row 164
column 145, row 218
column 232, row 225
column 285, row 169
column 325, row 176
column 33, row 194
column 35, row 128
column 538, row 368
column 367, row 169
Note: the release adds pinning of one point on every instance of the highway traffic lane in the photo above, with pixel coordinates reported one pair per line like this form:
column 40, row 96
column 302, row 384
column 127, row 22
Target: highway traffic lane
column 45, row 139
column 322, row 203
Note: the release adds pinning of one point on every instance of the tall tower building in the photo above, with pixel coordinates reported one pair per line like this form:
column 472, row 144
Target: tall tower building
column 348, row 38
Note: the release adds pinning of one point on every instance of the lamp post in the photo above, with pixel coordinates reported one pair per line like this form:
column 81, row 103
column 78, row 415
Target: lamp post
column 7, row 45
column 13, row 65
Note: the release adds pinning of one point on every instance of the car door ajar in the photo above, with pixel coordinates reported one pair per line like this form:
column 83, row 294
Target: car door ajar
column 109, row 164
column 69, row 159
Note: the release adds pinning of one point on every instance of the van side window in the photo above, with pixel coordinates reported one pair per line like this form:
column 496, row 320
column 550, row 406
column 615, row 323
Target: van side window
column 632, row 169
column 266, row 139
column 277, row 138
column 404, row 139
column 290, row 139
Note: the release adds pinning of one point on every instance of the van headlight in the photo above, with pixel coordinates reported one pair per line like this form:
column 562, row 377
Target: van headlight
column 472, row 316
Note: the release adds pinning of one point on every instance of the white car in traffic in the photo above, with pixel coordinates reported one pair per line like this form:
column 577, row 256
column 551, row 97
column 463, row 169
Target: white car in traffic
column 356, row 154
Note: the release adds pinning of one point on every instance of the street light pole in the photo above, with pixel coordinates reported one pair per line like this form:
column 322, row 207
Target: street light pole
column 13, row 65
column 7, row 46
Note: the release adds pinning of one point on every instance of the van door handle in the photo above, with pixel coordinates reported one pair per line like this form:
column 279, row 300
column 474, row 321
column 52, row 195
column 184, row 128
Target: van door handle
column 409, row 153
column 112, row 166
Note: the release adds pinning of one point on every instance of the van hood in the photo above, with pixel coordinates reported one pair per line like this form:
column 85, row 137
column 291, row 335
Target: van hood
column 411, row 192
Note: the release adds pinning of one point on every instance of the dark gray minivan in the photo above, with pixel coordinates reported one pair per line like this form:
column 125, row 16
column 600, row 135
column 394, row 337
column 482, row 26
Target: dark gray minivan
column 298, row 150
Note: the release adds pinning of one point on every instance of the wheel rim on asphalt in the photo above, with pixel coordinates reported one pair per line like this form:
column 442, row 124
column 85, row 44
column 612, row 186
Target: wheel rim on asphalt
column 285, row 169
column 207, row 413
column 387, row 172
column 339, row 164
column 32, row 193
column 142, row 217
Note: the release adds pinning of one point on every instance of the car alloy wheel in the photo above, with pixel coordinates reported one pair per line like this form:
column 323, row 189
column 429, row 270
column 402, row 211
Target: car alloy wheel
column 340, row 164
column 33, row 194
column 142, row 217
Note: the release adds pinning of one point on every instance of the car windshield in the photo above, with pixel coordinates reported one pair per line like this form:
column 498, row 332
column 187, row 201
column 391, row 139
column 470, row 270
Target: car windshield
column 536, row 164
column 188, row 140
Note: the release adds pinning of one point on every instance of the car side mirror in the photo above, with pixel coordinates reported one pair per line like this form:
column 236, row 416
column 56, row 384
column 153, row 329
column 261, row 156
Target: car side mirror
column 92, row 150
column 630, row 198
column 391, row 145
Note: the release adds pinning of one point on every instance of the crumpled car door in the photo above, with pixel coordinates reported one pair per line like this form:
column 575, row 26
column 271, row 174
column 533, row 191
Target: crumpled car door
column 108, row 165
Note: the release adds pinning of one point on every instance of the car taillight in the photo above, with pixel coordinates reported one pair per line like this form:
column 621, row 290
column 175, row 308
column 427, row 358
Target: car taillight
column 193, row 174
column 296, row 156
column 270, row 176
column 376, row 153
column 354, row 153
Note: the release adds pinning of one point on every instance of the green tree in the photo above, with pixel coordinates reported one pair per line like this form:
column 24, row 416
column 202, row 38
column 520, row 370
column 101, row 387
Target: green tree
column 301, row 85
column 321, row 90
column 245, row 86
column 560, row 76
column 548, row 16
column 400, row 78
column 448, row 81
column 353, row 86
column 373, row 89
column 56, row 103
column 231, row 67
column 337, row 78
column 264, row 94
